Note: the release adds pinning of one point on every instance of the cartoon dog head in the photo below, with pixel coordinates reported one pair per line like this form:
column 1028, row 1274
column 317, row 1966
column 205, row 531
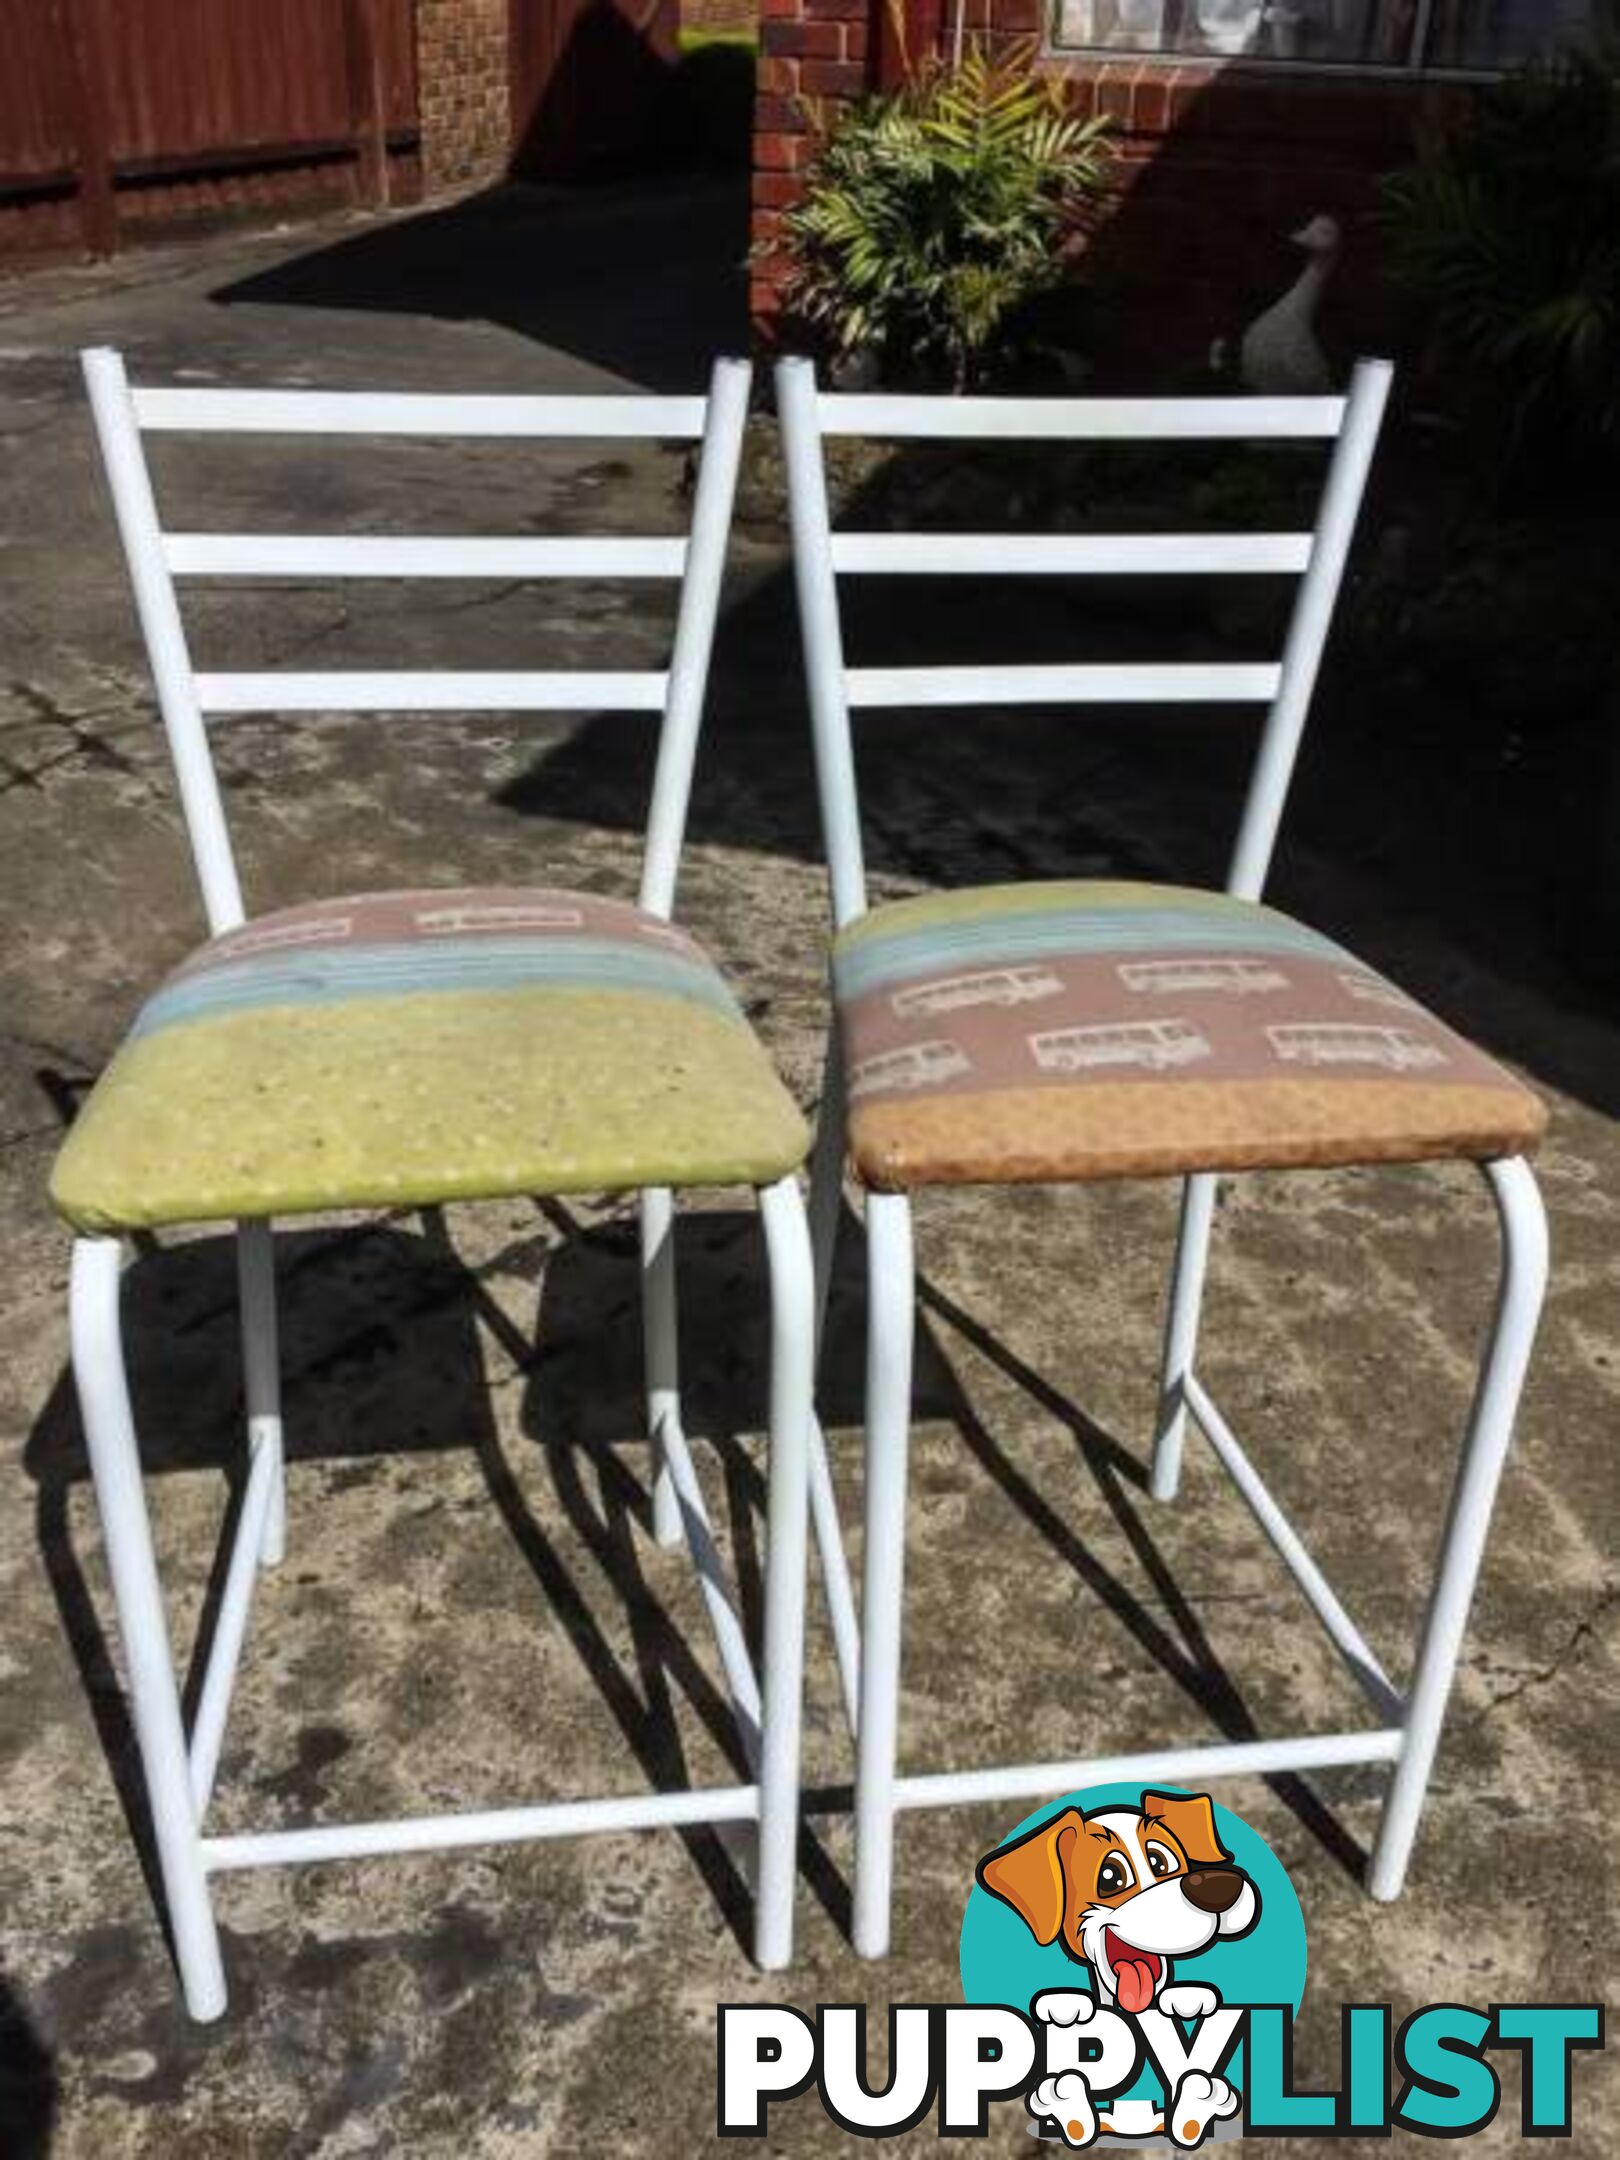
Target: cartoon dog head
column 1126, row 1889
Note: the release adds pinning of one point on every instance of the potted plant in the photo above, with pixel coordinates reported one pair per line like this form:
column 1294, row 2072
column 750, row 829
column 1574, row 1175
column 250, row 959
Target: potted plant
column 932, row 214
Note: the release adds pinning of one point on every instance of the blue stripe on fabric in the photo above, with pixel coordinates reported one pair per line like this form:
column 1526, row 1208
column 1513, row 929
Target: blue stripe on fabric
column 331, row 976
column 876, row 961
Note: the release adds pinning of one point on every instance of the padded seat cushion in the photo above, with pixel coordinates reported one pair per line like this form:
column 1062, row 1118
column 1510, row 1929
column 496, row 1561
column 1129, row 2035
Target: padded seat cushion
column 414, row 1047
column 1087, row 1030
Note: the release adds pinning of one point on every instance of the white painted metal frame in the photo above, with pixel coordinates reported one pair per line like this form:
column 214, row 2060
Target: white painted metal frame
column 1407, row 1728
column 180, row 1768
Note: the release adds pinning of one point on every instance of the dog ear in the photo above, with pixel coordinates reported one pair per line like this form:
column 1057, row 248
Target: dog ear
column 1190, row 1820
column 1028, row 1874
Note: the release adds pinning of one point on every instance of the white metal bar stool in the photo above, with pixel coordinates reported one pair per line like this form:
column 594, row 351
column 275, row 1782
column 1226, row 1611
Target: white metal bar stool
column 1073, row 1031
column 410, row 1048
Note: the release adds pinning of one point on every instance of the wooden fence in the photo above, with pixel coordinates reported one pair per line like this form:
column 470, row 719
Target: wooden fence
column 122, row 114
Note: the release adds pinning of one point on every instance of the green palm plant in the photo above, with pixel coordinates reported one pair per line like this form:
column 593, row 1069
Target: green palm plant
column 931, row 214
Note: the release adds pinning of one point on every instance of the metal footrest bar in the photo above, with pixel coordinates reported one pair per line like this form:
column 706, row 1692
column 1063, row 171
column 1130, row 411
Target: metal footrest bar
column 729, row 1637
column 1236, row 1758
column 1314, row 1586
column 225, row 1653
column 342, row 1841
column 495, row 1826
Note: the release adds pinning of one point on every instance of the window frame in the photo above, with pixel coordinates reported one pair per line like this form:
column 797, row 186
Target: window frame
column 1414, row 69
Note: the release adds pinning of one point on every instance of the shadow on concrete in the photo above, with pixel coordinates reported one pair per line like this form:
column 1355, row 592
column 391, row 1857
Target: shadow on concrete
column 590, row 1387
column 29, row 2094
column 588, row 1382
column 381, row 1331
column 644, row 278
column 1165, row 1624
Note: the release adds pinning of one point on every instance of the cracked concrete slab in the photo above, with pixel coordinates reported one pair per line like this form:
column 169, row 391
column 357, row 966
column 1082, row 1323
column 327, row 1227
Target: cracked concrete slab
column 472, row 1610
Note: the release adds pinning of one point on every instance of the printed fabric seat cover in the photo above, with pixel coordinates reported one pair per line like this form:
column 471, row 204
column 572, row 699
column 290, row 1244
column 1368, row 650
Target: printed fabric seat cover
column 414, row 1047
column 1088, row 1030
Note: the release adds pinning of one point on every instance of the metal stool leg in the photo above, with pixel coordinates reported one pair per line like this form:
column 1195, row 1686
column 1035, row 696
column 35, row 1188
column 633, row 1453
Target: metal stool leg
column 787, row 1509
column 891, row 1321
column 256, row 1280
column 826, row 1211
column 1490, row 1430
column 659, row 1332
column 827, row 1176
column 109, row 1427
column 1181, row 1329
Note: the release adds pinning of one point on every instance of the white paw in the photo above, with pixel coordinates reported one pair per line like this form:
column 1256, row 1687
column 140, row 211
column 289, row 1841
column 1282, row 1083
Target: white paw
column 1066, row 2101
column 1200, row 2102
column 1187, row 2000
column 1063, row 2006
column 1131, row 2119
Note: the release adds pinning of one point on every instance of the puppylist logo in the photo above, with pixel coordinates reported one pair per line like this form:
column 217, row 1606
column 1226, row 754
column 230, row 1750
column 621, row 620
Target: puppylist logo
column 1129, row 1893
column 1132, row 1962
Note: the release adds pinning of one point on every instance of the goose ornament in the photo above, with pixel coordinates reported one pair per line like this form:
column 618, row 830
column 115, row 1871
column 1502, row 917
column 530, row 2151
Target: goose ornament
column 1280, row 355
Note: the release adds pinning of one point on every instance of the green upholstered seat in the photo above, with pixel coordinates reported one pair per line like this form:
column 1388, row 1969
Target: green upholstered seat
column 413, row 1047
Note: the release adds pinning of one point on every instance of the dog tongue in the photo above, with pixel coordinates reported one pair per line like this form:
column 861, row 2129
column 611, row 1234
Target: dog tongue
column 1133, row 1982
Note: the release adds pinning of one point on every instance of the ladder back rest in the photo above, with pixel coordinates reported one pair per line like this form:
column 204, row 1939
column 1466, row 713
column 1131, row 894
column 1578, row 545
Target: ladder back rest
column 1284, row 686
column 189, row 700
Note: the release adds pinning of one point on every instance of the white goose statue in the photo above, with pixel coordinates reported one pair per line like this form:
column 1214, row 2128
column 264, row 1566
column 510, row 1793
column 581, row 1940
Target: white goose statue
column 1280, row 355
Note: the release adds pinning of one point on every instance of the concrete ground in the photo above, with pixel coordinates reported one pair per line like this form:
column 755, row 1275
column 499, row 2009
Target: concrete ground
column 472, row 1611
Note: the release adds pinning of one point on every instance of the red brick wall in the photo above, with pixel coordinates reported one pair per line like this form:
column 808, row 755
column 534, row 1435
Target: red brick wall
column 463, row 67
column 1215, row 167
column 814, row 58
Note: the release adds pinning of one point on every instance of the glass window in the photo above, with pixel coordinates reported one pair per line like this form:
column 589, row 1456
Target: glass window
column 1381, row 33
column 1495, row 33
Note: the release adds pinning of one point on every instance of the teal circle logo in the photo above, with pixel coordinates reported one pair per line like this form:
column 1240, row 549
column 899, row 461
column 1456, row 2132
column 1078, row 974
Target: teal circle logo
column 1154, row 1902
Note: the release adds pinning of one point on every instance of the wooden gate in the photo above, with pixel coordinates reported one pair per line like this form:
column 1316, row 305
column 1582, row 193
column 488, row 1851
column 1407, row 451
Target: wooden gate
column 123, row 114
column 588, row 79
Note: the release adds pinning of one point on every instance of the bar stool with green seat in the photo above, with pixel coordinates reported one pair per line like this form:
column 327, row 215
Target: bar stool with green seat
column 387, row 1049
